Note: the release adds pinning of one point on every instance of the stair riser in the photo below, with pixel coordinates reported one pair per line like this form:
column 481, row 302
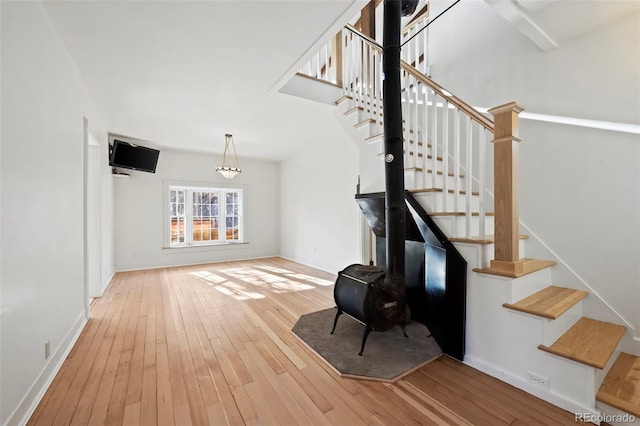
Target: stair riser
column 455, row 226
column 440, row 202
column 524, row 286
column 479, row 255
column 420, row 180
column 553, row 329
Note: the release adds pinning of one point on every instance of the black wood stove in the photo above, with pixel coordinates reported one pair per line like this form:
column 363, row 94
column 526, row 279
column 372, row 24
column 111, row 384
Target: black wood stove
column 373, row 296
column 360, row 291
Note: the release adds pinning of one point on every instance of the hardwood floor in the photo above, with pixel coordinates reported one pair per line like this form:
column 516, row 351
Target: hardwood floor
column 211, row 344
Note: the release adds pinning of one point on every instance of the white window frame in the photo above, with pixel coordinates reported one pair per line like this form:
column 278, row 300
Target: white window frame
column 222, row 190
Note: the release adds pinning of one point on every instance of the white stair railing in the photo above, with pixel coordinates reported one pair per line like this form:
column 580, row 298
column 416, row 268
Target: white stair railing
column 415, row 39
column 445, row 138
column 322, row 65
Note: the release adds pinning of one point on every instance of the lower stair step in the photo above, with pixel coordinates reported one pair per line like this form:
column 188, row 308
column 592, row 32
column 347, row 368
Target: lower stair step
column 588, row 341
column 550, row 302
column 621, row 386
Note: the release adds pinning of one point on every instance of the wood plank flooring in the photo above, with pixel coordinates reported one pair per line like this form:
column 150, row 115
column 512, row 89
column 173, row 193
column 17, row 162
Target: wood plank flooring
column 211, row 344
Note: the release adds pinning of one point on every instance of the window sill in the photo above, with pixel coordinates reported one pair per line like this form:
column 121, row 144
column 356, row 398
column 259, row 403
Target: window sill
column 204, row 247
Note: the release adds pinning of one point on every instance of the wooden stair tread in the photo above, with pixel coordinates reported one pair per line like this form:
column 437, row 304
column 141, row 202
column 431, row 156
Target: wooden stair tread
column 488, row 239
column 423, row 190
column 343, row 98
column 588, row 341
column 364, row 122
column 550, row 302
column 621, row 386
column 529, row 266
column 450, row 191
column 450, row 174
column 458, row 213
column 352, row 110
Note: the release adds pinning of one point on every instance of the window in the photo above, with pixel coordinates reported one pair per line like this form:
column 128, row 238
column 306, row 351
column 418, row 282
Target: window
column 201, row 216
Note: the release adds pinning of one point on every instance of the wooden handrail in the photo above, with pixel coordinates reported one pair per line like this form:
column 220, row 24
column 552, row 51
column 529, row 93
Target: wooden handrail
column 367, row 39
column 486, row 122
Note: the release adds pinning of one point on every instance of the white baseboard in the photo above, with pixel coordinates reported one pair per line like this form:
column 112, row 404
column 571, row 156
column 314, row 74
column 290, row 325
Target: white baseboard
column 324, row 268
column 144, row 266
column 31, row 400
column 105, row 283
column 549, row 396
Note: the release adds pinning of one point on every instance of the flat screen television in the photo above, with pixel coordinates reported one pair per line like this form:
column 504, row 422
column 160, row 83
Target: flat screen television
column 134, row 157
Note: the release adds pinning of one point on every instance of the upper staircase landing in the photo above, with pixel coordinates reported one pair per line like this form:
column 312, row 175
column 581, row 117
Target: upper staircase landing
column 528, row 266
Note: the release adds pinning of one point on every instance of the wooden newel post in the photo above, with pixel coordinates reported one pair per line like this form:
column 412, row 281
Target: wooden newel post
column 336, row 56
column 505, row 151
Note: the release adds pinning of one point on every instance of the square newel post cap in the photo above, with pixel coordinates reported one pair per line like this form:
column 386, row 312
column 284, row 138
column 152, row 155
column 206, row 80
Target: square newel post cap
column 510, row 107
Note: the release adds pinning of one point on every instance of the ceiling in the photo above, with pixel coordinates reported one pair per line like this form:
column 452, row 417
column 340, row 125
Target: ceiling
column 181, row 74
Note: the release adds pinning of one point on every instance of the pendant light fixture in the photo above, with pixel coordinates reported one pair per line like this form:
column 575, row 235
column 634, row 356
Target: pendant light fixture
column 229, row 167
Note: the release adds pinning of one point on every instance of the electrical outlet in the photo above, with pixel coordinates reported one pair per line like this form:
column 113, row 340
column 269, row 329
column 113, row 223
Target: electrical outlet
column 47, row 350
column 538, row 380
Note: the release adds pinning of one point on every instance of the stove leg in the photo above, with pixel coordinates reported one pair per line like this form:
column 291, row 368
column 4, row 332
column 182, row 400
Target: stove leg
column 367, row 330
column 335, row 321
column 404, row 331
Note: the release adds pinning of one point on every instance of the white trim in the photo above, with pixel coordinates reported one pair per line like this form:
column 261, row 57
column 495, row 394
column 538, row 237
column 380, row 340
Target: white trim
column 516, row 16
column 105, row 283
column 575, row 274
column 146, row 266
column 549, row 396
column 351, row 10
column 325, row 268
column 168, row 183
column 612, row 126
column 27, row 406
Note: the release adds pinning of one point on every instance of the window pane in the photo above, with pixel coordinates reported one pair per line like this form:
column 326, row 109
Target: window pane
column 203, row 214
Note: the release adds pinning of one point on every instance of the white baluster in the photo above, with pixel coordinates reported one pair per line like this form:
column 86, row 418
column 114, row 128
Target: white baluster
column 423, row 135
column 416, row 126
column 456, row 163
column 445, row 153
column 468, row 175
column 482, row 158
column 434, row 139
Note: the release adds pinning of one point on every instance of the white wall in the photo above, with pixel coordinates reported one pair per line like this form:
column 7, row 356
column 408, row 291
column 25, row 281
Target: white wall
column 139, row 211
column 320, row 219
column 107, row 264
column 42, row 296
column 579, row 188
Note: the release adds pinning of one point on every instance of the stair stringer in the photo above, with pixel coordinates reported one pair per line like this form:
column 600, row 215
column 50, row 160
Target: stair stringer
column 503, row 343
column 594, row 305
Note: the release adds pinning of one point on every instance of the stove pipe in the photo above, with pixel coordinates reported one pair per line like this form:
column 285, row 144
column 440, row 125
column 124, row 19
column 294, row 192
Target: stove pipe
column 393, row 144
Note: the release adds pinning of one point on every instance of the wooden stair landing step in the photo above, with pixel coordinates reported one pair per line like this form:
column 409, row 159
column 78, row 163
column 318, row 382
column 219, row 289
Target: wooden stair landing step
column 621, row 387
column 588, row 341
column 488, row 239
column 529, row 266
column 550, row 302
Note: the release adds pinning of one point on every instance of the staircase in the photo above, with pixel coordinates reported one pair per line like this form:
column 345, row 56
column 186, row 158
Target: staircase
column 521, row 326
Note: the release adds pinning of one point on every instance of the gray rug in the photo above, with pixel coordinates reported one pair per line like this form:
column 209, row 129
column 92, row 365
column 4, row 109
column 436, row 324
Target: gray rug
column 387, row 355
